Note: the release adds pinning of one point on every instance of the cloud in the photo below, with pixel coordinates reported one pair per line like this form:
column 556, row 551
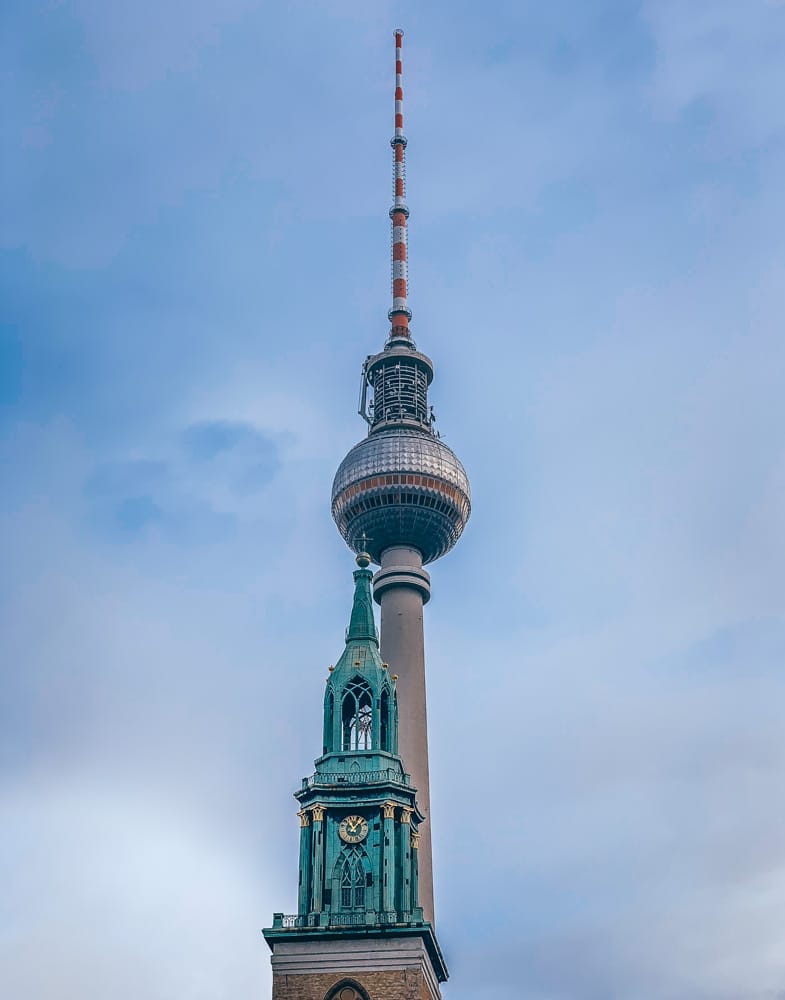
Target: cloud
column 255, row 457
column 130, row 896
column 195, row 263
column 189, row 497
column 722, row 57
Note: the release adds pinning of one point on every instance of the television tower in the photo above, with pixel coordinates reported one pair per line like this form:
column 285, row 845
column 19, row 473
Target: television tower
column 403, row 496
column 364, row 923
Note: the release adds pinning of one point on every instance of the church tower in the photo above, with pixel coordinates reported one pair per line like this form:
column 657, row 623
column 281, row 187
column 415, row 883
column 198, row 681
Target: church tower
column 359, row 932
column 364, row 927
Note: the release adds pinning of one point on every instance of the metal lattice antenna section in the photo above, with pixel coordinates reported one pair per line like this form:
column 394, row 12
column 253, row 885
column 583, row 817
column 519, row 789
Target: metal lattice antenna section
column 400, row 314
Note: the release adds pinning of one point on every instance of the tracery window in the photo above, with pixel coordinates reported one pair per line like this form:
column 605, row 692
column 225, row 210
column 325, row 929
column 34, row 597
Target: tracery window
column 357, row 716
column 353, row 881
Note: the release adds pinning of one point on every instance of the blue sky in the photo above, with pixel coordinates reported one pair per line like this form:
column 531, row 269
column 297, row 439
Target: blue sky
column 194, row 264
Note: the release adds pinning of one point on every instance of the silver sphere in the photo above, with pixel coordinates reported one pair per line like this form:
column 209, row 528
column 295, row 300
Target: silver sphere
column 401, row 486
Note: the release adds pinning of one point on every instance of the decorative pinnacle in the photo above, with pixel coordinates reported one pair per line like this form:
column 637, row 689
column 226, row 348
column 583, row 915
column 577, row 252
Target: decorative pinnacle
column 400, row 314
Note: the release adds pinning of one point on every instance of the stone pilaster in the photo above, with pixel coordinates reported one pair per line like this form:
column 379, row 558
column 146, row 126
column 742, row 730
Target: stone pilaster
column 415, row 869
column 388, row 866
column 317, row 814
column 304, row 892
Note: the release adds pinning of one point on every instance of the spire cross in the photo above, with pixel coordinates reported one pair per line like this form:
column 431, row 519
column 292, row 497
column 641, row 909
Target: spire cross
column 400, row 314
column 363, row 559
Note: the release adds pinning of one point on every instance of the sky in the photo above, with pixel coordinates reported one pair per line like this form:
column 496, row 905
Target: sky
column 195, row 262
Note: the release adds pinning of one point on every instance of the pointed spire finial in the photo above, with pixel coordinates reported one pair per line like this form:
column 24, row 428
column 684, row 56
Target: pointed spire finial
column 400, row 314
column 363, row 560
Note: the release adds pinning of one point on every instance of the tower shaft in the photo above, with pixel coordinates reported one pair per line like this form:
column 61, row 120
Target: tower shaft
column 402, row 587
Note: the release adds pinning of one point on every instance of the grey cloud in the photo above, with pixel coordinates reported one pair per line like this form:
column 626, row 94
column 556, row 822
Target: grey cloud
column 715, row 55
column 743, row 650
column 604, row 645
column 117, row 478
column 249, row 457
column 149, row 890
column 231, row 459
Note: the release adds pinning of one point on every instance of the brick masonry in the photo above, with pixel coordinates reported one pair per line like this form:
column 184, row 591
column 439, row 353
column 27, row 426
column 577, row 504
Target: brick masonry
column 393, row 984
column 387, row 968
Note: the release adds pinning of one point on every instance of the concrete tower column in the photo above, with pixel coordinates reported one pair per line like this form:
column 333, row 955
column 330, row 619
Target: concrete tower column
column 402, row 587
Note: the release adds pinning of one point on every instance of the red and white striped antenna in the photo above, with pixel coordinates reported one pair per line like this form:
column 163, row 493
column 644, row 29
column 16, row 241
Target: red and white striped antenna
column 400, row 314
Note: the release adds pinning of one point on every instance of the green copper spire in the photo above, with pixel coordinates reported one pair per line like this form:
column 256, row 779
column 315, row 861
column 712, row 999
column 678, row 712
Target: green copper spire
column 361, row 623
column 360, row 702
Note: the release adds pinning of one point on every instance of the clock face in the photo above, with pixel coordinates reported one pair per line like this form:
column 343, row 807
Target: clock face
column 353, row 829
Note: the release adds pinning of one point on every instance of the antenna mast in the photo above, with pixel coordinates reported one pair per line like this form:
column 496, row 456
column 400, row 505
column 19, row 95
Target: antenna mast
column 400, row 314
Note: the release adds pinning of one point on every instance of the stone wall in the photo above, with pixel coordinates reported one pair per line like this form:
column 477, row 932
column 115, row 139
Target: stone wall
column 387, row 968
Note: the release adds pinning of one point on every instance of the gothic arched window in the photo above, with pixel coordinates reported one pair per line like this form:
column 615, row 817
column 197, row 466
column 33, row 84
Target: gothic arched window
column 357, row 716
column 353, row 880
column 347, row 989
